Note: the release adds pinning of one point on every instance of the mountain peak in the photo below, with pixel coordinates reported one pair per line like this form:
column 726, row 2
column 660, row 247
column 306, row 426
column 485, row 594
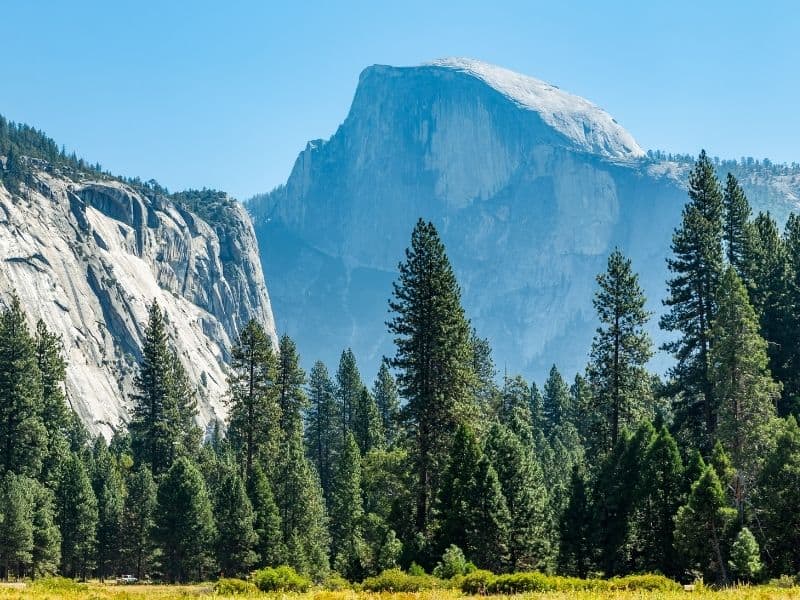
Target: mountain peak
column 588, row 125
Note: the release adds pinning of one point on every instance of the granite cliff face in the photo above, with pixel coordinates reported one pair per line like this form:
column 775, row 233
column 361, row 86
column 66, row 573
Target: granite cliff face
column 89, row 256
column 530, row 187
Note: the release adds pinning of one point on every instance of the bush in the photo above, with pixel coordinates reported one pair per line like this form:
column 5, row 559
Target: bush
column 648, row 583
column 280, row 579
column 232, row 587
column 477, row 582
column 483, row 582
column 415, row 569
column 395, row 580
column 58, row 584
column 453, row 564
column 336, row 583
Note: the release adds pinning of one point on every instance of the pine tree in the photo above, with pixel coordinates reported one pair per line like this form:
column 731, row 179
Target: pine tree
column 575, row 527
column 537, row 408
column 458, row 485
column 486, row 391
column 301, row 508
column 385, row 392
column 434, row 359
column 348, row 548
column 348, row 392
column 234, row 517
column 184, row 523
column 266, row 520
column 322, row 432
column 737, row 226
column 745, row 563
column 54, row 412
column 556, row 402
column 366, row 426
column 487, row 520
column 23, row 437
column 620, row 351
column 658, row 496
column 46, row 552
column 701, row 527
column 522, row 485
column 138, row 520
column 253, row 410
column 742, row 384
column 291, row 379
column 696, row 266
column 109, row 490
column 16, row 524
column 514, row 411
column 76, row 510
column 161, row 427
column 790, row 399
column 778, row 503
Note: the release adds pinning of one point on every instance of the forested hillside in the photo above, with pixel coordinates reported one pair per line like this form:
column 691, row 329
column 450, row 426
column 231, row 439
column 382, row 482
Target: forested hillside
column 436, row 464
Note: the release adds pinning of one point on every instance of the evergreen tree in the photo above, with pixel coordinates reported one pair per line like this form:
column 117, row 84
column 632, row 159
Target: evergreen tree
column 16, row 524
column 234, row 517
column 385, row 392
column 522, row 485
column 458, row 485
column 515, row 411
column 790, row 374
column 301, row 508
column 348, row 548
column 366, row 425
column 778, row 503
column 161, row 427
column 556, row 402
column 537, row 408
column 696, row 267
column 745, row 563
column 434, row 360
column 109, row 490
column 485, row 392
column 322, row 431
column 76, row 509
column 138, row 520
column 742, row 384
column 266, row 520
column 184, row 523
column 253, row 409
column 291, row 379
column 46, row 552
column 575, row 527
column 348, row 392
column 701, row 527
column 658, row 496
column 737, row 226
column 23, row 437
column 487, row 520
column 620, row 351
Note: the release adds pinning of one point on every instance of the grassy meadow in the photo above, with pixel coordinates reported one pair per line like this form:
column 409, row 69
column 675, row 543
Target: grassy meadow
column 111, row 591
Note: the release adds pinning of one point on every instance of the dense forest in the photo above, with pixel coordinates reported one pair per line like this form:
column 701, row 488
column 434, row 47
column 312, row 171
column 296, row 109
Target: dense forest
column 611, row 472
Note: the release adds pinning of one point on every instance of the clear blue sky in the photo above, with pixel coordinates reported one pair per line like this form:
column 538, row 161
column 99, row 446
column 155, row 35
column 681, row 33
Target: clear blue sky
column 225, row 94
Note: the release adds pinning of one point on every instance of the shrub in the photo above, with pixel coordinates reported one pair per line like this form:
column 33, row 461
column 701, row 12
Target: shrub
column 477, row 582
column 395, row 580
column 648, row 583
column 58, row 584
column 232, row 587
column 280, row 579
column 453, row 563
column 336, row 583
column 415, row 569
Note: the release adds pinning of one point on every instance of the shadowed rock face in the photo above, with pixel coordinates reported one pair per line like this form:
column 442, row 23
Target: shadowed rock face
column 88, row 258
column 530, row 187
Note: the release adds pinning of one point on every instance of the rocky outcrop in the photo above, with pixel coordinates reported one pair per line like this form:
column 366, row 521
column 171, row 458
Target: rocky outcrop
column 530, row 187
column 89, row 257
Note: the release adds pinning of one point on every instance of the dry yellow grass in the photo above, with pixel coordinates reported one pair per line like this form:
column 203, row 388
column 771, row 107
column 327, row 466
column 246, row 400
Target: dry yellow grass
column 97, row 591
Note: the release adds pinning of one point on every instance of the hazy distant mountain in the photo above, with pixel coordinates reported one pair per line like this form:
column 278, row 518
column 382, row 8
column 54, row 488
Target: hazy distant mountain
column 530, row 187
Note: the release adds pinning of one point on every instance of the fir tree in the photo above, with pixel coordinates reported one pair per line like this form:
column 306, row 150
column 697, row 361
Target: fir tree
column 138, row 520
column 16, row 524
column 515, row 411
column 291, row 379
column 696, row 267
column 790, row 399
column 523, row 489
column 701, row 527
column 575, row 527
column 486, row 391
column 745, row 563
column 46, row 552
column 109, row 490
column 556, row 402
column 742, row 383
column 348, row 548
column 322, row 432
column 620, row 351
column 385, row 392
column 434, row 359
column 184, row 523
column 487, row 520
column 253, row 410
column 234, row 517
column 348, row 392
column 366, row 425
column 737, row 226
column 23, row 437
column 266, row 520
column 76, row 509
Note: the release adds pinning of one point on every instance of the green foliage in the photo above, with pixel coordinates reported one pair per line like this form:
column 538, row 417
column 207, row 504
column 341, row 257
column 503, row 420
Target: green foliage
column 16, row 526
column 323, row 426
column 482, row 582
column 745, row 563
column 228, row 586
column 291, row 378
column 575, row 528
column 58, row 585
column 388, row 402
column 395, row 580
column 236, row 536
column 453, row 564
column 138, row 521
column 266, row 520
column 280, row 579
column 109, row 490
column 46, row 552
column 348, row 548
column 557, row 406
column 76, row 510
